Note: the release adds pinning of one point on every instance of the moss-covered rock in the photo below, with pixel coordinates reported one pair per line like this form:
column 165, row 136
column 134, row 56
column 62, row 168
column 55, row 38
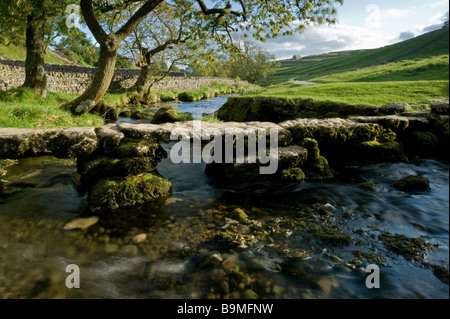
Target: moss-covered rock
column 109, row 114
column 420, row 143
column 166, row 115
column 370, row 256
column 373, row 152
column 295, row 254
column 239, row 214
column 143, row 114
column 410, row 248
column 440, row 272
column 440, row 127
column 5, row 163
column 331, row 236
column 140, row 148
column 316, row 166
column 90, row 171
column 142, row 100
column 190, row 96
column 369, row 186
column 394, row 108
column 112, row 193
column 294, row 174
column 412, row 183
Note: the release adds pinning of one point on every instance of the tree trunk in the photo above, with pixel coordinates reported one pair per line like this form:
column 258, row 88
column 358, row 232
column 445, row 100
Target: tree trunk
column 101, row 81
column 142, row 82
column 35, row 76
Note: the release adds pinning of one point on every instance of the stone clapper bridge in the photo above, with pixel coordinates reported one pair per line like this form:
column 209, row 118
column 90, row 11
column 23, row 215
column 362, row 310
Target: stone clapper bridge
column 116, row 163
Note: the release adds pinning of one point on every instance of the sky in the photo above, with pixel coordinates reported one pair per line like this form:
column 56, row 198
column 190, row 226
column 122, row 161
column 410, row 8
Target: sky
column 364, row 24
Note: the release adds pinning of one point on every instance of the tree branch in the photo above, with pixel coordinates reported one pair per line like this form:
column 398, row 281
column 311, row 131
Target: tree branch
column 224, row 11
column 140, row 15
column 91, row 20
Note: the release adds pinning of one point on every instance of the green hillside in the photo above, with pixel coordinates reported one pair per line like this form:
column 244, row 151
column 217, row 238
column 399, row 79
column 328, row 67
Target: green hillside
column 337, row 62
column 14, row 52
column 431, row 68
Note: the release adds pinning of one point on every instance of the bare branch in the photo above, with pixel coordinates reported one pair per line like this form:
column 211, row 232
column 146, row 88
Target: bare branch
column 140, row 15
column 224, row 11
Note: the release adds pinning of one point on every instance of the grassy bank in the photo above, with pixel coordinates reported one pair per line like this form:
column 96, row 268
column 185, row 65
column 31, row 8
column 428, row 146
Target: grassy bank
column 365, row 93
column 22, row 108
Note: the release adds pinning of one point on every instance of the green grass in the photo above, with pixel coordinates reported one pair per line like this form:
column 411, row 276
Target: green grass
column 431, row 68
column 365, row 93
column 14, row 52
column 337, row 62
column 22, row 108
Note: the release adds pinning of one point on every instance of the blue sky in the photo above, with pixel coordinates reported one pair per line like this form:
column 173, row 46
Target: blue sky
column 365, row 24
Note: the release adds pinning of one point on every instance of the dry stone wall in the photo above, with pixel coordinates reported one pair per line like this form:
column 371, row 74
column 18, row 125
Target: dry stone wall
column 75, row 79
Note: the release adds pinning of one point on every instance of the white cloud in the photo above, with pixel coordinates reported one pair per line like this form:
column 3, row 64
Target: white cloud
column 322, row 39
column 397, row 13
column 437, row 4
column 436, row 18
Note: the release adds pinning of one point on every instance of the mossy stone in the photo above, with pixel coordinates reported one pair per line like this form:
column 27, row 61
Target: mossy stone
column 239, row 214
column 421, row 143
column 113, row 193
column 372, row 152
column 366, row 186
column 294, row 174
column 142, row 114
column 412, row 183
column 166, row 115
column 410, row 248
column 131, row 148
column 331, row 236
column 316, row 166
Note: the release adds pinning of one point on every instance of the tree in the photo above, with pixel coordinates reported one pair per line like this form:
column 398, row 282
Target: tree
column 77, row 47
column 32, row 17
column 250, row 62
column 262, row 18
column 156, row 40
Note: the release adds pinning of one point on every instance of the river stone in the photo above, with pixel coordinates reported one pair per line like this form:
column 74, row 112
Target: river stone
column 440, row 108
column 139, row 238
column 112, row 193
column 394, row 108
column 142, row 114
column 250, row 294
column 412, row 183
column 166, row 115
column 81, row 223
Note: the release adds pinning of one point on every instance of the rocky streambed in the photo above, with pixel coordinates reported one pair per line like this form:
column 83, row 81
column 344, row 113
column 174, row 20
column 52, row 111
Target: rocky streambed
column 349, row 193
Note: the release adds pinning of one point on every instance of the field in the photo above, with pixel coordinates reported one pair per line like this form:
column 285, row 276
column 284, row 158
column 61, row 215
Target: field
column 364, row 77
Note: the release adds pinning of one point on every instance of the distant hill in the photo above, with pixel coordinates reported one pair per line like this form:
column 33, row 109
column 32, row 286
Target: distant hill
column 13, row 52
column 431, row 44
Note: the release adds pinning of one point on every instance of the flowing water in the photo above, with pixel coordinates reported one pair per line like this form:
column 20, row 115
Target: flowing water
column 181, row 259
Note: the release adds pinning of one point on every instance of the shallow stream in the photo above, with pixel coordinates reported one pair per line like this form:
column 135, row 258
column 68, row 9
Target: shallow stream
column 180, row 259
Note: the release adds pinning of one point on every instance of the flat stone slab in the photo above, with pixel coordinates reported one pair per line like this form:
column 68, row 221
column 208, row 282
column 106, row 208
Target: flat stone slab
column 65, row 143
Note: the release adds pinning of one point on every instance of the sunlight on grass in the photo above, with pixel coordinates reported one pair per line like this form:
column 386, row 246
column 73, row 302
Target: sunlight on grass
column 376, row 93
